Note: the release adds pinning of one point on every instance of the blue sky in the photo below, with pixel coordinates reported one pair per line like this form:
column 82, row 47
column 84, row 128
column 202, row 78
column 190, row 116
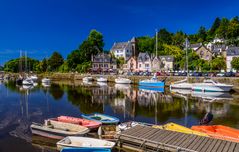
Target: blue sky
column 43, row 26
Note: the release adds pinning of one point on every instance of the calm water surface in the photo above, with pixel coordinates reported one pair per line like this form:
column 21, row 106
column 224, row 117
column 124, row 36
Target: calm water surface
column 20, row 106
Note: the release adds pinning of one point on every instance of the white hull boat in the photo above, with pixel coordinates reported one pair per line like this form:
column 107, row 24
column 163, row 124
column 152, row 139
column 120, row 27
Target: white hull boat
column 84, row 142
column 211, row 86
column 101, row 79
column 34, row 78
column 183, row 84
column 27, row 81
column 122, row 81
column 86, row 79
column 46, row 80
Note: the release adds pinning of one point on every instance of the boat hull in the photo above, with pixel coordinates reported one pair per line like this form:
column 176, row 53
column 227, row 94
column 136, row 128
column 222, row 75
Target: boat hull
column 158, row 84
column 83, row 142
column 85, row 150
column 122, row 81
column 212, row 88
column 179, row 128
column 187, row 86
column 219, row 132
column 104, row 119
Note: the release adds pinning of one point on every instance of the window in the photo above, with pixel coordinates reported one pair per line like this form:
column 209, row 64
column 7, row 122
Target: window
column 140, row 65
column 117, row 51
column 106, row 65
column 147, row 65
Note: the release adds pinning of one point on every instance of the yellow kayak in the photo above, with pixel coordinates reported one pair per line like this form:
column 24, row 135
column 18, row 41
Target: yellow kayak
column 178, row 128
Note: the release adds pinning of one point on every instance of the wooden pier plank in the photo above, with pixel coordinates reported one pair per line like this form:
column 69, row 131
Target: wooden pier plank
column 236, row 148
column 232, row 147
column 209, row 142
column 226, row 148
column 171, row 140
column 188, row 141
column 216, row 145
column 202, row 144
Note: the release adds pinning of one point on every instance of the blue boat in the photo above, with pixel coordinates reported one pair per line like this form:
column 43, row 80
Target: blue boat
column 153, row 82
column 85, row 150
column 153, row 89
column 104, row 119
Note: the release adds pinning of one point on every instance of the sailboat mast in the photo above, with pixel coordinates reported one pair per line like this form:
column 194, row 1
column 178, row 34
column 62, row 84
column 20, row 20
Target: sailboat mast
column 156, row 43
column 26, row 61
column 187, row 43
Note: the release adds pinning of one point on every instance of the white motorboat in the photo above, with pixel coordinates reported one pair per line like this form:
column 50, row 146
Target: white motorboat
column 209, row 85
column 102, row 84
column 120, row 80
column 183, row 84
column 84, row 142
column 27, row 81
column 46, row 80
column 101, row 79
column 87, row 79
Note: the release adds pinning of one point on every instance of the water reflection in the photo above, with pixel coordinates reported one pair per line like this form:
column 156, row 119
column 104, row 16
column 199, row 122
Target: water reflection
column 21, row 105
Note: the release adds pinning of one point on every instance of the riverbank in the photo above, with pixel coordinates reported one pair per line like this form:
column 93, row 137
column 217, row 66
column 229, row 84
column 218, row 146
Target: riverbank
column 135, row 79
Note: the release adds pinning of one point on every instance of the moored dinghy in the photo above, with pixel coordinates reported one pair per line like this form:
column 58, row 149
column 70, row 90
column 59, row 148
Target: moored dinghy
column 58, row 130
column 83, row 122
column 104, row 119
column 153, row 82
column 84, row 142
column 85, row 150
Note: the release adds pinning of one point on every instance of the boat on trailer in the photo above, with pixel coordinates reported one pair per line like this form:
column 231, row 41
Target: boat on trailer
column 84, row 142
column 58, row 130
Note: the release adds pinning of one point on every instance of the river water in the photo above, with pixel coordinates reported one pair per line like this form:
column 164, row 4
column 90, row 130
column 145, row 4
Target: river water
column 22, row 105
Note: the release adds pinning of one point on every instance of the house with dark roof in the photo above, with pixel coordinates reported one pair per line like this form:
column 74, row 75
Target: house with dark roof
column 166, row 62
column 232, row 52
column 103, row 62
column 124, row 49
column 204, row 53
column 155, row 63
column 144, row 62
column 195, row 46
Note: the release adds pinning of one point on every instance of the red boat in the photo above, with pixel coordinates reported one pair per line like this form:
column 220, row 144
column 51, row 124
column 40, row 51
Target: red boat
column 83, row 122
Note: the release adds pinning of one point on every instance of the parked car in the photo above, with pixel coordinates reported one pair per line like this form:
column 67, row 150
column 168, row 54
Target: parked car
column 230, row 74
column 237, row 74
column 197, row 74
column 221, row 74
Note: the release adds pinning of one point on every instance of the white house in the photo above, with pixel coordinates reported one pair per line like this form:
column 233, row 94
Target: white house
column 231, row 53
column 166, row 62
column 144, row 62
column 124, row 49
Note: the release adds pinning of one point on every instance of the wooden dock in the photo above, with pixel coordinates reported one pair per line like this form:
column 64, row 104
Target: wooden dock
column 146, row 138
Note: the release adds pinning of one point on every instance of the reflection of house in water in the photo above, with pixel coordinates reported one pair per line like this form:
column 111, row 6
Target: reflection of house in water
column 150, row 97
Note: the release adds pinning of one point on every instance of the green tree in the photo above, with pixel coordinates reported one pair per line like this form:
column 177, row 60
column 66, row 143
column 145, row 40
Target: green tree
column 55, row 61
column 73, row 59
column 222, row 30
column 120, row 61
column 202, row 34
column 214, row 27
column 164, row 36
column 145, row 44
column 178, row 39
column 218, row 63
column 235, row 63
column 233, row 28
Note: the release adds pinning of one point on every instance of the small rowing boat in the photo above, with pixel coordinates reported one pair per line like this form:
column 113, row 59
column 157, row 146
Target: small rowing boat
column 84, row 142
column 104, row 119
column 83, row 122
column 219, row 131
column 85, row 150
column 178, row 128
column 58, row 130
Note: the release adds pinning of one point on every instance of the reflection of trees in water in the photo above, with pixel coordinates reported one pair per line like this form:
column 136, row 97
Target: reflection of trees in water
column 56, row 91
column 82, row 97
column 165, row 110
